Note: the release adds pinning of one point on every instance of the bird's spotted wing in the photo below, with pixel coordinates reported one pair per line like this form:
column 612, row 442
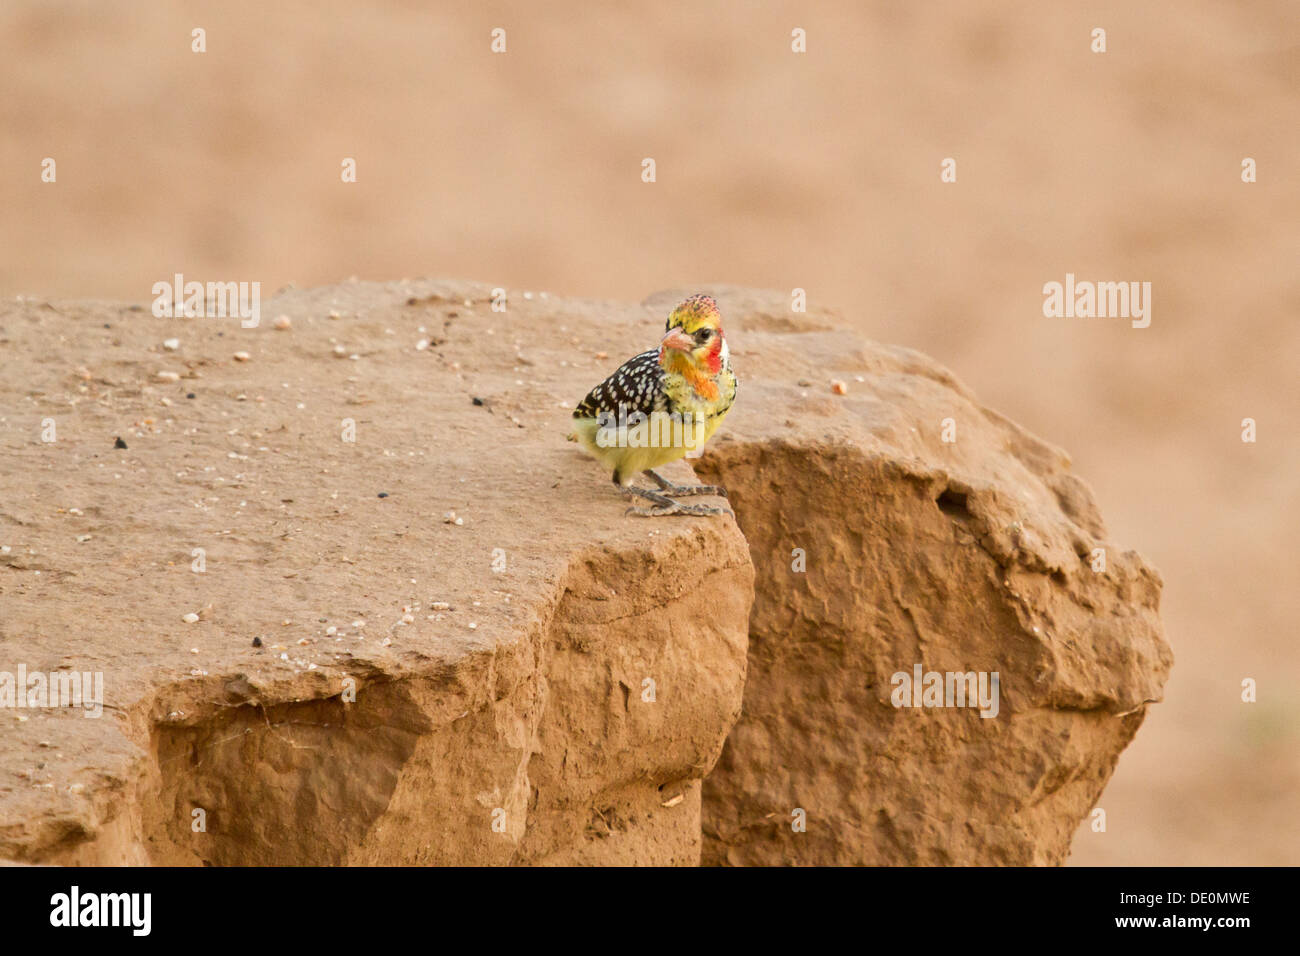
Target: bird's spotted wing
column 637, row 386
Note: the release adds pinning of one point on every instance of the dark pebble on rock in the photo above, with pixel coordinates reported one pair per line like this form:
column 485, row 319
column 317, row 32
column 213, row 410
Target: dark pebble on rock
column 257, row 642
column 119, row 444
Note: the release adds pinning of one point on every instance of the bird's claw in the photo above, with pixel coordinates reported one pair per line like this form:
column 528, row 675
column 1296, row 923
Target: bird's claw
column 683, row 491
column 675, row 508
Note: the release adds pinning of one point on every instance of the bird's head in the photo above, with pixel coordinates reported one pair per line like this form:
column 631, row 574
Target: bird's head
column 693, row 343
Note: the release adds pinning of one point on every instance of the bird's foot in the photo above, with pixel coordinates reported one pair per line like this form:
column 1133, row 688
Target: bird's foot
column 675, row 508
column 664, row 505
column 672, row 490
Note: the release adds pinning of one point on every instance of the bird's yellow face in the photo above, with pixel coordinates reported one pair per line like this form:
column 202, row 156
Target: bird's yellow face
column 693, row 344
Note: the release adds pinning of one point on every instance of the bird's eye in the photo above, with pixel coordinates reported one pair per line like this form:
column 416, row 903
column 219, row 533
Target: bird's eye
column 704, row 335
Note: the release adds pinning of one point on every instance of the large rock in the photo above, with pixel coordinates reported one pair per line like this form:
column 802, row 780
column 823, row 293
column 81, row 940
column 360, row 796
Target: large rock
column 568, row 704
column 933, row 532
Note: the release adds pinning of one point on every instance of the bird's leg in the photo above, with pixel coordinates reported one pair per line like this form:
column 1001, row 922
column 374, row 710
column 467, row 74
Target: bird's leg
column 666, row 506
column 668, row 489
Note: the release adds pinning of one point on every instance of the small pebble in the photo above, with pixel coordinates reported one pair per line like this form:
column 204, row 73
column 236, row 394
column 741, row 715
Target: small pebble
column 190, row 618
column 171, row 345
column 284, row 323
column 839, row 388
column 257, row 642
column 242, row 356
column 383, row 494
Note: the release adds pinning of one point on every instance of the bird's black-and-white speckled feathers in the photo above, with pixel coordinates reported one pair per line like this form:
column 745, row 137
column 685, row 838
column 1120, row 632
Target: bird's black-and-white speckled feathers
column 637, row 385
column 642, row 385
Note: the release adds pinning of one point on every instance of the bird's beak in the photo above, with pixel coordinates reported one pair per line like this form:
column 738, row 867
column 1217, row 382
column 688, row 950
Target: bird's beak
column 679, row 340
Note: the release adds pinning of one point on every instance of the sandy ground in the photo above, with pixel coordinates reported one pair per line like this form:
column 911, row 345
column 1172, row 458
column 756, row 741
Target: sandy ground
column 818, row 171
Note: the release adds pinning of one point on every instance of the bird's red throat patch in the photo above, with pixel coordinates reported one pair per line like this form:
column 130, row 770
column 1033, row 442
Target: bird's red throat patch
column 701, row 379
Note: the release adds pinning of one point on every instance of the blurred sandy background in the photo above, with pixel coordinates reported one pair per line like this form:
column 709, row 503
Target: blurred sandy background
column 774, row 169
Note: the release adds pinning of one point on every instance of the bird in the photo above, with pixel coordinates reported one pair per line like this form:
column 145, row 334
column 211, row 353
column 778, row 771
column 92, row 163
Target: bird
column 660, row 406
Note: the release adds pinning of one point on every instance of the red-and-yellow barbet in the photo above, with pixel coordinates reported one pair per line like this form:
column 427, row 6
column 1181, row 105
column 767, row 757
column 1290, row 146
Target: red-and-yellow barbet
column 662, row 405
